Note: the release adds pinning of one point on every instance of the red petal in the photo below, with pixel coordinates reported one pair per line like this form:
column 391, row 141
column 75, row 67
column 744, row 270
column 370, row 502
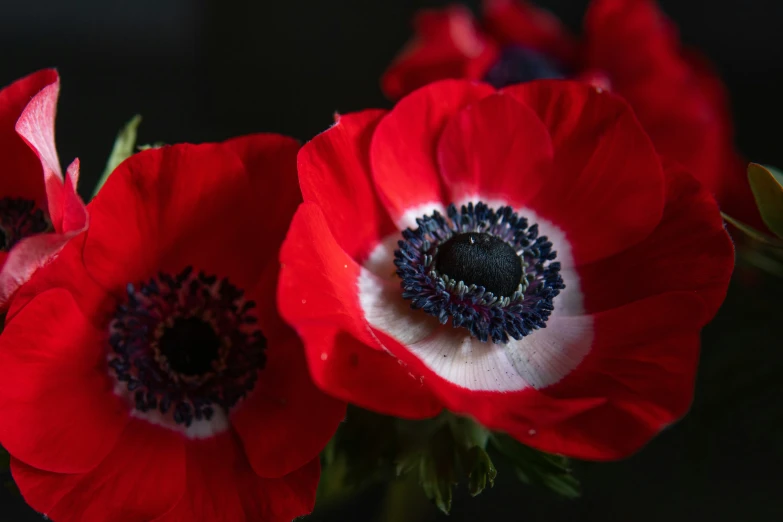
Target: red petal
column 447, row 44
column 164, row 209
column 317, row 278
column 637, row 379
column 519, row 22
column 25, row 258
column 286, row 421
column 57, row 402
column 318, row 297
column 67, row 271
column 221, row 487
column 371, row 379
column 688, row 251
column 607, row 191
column 643, row 363
column 334, row 172
column 22, row 169
column 496, row 149
column 143, row 477
column 270, row 161
column 402, row 153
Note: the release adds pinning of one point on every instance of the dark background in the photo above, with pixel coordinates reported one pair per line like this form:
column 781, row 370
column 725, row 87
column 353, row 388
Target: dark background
column 206, row 70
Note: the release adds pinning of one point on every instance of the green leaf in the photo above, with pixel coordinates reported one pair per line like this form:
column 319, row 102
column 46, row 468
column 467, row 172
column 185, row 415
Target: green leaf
column 148, row 146
column 538, row 468
column 767, row 186
column 753, row 233
column 124, row 147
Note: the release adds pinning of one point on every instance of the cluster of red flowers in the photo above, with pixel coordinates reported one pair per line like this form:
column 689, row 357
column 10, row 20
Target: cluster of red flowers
column 536, row 254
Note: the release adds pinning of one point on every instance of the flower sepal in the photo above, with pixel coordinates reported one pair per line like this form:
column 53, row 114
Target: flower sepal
column 437, row 454
column 444, row 451
column 538, row 468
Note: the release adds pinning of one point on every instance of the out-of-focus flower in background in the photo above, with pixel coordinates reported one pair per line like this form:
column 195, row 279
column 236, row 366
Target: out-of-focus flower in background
column 628, row 47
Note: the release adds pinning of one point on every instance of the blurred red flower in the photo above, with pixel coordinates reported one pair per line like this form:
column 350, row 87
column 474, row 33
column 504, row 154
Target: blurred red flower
column 628, row 47
column 576, row 267
column 146, row 373
column 38, row 211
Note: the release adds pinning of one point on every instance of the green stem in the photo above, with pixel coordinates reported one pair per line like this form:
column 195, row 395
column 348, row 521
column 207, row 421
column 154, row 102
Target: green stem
column 404, row 501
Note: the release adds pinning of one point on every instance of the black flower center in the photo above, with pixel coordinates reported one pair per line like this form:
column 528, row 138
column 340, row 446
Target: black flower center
column 481, row 259
column 186, row 344
column 190, row 346
column 20, row 218
column 518, row 64
column 485, row 269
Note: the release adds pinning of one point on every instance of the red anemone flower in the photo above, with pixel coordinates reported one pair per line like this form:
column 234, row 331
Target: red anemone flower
column 146, row 374
column 522, row 257
column 628, row 47
column 38, row 211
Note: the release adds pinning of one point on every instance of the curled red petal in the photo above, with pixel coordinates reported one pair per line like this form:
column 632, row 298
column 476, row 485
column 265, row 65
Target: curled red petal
column 22, row 169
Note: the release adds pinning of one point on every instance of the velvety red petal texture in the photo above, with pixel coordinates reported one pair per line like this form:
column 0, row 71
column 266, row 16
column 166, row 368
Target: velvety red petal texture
column 270, row 163
column 679, row 100
column 447, row 43
column 402, row 153
column 145, row 213
column 22, row 169
column 317, row 295
column 142, row 478
column 519, row 22
column 59, row 412
column 595, row 136
column 669, row 259
column 221, row 487
column 334, row 172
